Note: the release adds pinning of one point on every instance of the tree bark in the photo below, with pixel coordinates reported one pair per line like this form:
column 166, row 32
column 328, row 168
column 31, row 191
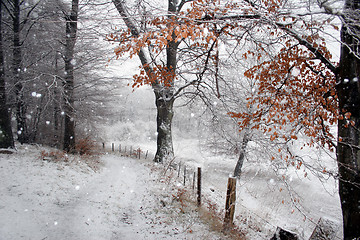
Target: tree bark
column 22, row 130
column 6, row 135
column 348, row 154
column 36, row 120
column 165, row 99
column 57, row 112
column 164, row 118
column 71, row 29
column 241, row 158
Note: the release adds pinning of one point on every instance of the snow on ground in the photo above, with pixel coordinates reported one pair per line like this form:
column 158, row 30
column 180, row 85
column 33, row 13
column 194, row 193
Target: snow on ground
column 124, row 199
column 264, row 199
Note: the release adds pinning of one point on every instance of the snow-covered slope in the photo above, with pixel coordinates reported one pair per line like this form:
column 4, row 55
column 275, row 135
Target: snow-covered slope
column 266, row 198
column 123, row 199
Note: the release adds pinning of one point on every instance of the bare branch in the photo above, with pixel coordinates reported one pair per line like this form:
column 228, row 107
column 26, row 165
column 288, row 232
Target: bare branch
column 120, row 6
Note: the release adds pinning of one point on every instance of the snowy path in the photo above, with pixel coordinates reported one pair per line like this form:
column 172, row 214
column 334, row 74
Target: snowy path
column 47, row 200
column 106, row 208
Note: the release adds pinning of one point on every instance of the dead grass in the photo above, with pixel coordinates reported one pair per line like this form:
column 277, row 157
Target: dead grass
column 90, row 160
column 210, row 213
column 185, row 200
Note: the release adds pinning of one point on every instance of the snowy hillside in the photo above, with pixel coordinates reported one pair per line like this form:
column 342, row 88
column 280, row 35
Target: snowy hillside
column 268, row 197
column 114, row 198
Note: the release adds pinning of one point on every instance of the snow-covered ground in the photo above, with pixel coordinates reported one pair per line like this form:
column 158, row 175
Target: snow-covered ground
column 265, row 200
column 126, row 198
column 122, row 198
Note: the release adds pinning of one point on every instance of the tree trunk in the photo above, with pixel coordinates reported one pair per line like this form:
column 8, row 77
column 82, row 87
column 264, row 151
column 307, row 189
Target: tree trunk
column 57, row 102
column 241, row 158
column 164, row 118
column 71, row 29
column 348, row 154
column 36, row 120
column 22, row 130
column 164, row 98
column 6, row 136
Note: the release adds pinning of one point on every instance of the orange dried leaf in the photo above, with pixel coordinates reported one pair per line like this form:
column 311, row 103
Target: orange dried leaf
column 347, row 115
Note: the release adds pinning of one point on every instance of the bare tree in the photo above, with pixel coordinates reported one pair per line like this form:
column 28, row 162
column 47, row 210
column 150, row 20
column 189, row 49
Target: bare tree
column 6, row 135
column 20, row 14
column 17, row 68
column 71, row 29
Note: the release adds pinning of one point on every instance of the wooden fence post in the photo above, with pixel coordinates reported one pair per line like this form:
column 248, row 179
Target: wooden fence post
column 147, row 151
column 139, row 152
column 103, row 145
column 230, row 203
column 119, row 148
column 193, row 185
column 113, row 147
column 199, row 187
